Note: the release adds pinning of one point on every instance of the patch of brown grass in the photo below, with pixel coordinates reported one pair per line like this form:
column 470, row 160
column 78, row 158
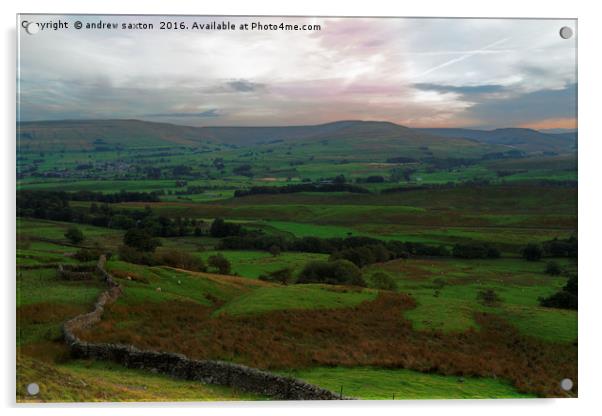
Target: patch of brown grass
column 46, row 312
column 372, row 333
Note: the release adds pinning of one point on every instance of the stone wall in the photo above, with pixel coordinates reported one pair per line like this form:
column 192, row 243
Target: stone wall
column 177, row 365
column 76, row 272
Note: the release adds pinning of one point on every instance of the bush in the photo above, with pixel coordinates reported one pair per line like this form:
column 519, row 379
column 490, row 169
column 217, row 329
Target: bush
column 337, row 272
column 565, row 298
column 553, row 268
column 475, row 251
column 561, row 300
column 363, row 255
column 74, row 235
column 488, row 297
column 220, row 228
column 219, row 262
column 181, row 260
column 88, row 254
column 275, row 250
column 141, row 240
column 532, row 252
column 383, row 281
column 132, row 255
column 283, row 276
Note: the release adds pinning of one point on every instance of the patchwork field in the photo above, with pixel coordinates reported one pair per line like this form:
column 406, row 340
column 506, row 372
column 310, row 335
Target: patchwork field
column 406, row 267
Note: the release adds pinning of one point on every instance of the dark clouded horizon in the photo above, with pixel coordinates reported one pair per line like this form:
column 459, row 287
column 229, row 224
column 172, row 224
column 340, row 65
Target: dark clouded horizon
column 484, row 73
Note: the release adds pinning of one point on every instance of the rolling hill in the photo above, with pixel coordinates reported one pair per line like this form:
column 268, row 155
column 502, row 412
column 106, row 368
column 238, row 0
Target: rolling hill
column 527, row 140
column 114, row 134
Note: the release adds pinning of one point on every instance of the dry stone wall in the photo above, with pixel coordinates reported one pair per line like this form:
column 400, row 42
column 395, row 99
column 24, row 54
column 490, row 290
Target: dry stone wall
column 77, row 272
column 177, row 365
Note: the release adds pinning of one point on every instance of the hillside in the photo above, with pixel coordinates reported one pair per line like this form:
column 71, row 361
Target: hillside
column 115, row 134
column 527, row 140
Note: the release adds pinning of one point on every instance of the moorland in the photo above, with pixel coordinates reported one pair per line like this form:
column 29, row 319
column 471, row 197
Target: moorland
column 370, row 258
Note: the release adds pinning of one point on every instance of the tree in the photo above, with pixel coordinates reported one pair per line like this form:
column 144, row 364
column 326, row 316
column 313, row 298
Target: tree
column 337, row 272
column 220, row 228
column 283, row 276
column 565, row 298
column 181, row 260
column 221, row 263
column 488, row 297
column 553, row 268
column 141, row 239
column 383, row 281
column 532, row 252
column 75, row 235
column 275, row 250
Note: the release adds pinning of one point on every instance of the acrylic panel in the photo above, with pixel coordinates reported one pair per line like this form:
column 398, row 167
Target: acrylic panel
column 295, row 208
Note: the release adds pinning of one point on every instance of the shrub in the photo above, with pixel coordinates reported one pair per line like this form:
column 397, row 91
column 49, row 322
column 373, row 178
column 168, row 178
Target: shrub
column 532, row 252
column 219, row 262
column 553, row 268
column 132, row 255
column 363, row 255
column 275, row 250
column 475, row 251
column 383, row 281
column 141, row 240
column 74, row 235
column 181, row 260
column 283, row 276
column 561, row 300
column 565, row 298
column 220, row 228
column 488, row 297
column 88, row 254
column 337, row 272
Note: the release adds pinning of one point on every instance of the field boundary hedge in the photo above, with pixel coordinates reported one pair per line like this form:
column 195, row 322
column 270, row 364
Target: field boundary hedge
column 178, row 365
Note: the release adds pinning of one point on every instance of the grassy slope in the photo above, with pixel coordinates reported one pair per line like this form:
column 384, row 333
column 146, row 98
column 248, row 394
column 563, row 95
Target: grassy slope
column 267, row 299
column 44, row 302
column 85, row 381
column 385, row 384
column 450, row 308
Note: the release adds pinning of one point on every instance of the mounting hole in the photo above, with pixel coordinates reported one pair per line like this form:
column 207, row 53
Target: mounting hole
column 33, row 389
column 566, row 32
column 566, row 384
column 32, row 28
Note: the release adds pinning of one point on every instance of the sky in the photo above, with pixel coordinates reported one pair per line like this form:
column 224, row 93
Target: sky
column 473, row 73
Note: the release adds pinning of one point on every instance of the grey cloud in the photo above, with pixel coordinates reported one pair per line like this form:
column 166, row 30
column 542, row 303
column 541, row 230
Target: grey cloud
column 522, row 108
column 214, row 112
column 464, row 90
column 243, row 85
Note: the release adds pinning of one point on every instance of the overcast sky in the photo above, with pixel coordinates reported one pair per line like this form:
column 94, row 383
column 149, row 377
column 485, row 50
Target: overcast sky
column 415, row 72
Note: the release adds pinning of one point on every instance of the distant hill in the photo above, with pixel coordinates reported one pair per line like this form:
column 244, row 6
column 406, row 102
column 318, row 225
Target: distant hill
column 90, row 134
column 527, row 140
column 360, row 135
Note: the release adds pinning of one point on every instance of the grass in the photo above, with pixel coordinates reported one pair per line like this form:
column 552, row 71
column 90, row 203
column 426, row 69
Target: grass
column 451, row 307
column 87, row 381
column 373, row 333
column 330, row 336
column 252, row 264
column 372, row 383
column 294, row 297
column 165, row 284
column 43, row 286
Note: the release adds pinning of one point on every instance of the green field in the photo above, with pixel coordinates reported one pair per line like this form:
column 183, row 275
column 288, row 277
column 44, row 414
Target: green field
column 383, row 384
column 425, row 332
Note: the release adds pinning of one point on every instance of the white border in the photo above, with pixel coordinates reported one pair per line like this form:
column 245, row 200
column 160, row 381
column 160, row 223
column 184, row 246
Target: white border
column 590, row 150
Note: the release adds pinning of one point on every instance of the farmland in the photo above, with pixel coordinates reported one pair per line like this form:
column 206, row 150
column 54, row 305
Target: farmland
column 239, row 245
